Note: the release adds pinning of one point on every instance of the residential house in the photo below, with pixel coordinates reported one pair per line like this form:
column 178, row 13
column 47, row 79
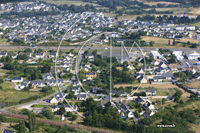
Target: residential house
column 125, row 109
column 75, row 83
column 180, row 28
column 149, row 105
column 14, row 56
column 162, row 65
column 192, row 55
column 54, row 82
column 81, row 97
column 52, row 55
column 148, row 113
column 167, row 76
column 48, row 76
column 68, row 108
column 178, row 54
column 130, row 66
column 91, row 75
column 161, row 70
column 38, row 110
column 38, row 83
column 75, row 89
column 191, row 70
column 96, row 89
column 155, row 62
column 3, row 54
column 113, row 92
column 155, row 54
column 64, row 65
column 25, row 84
column 150, row 92
column 140, row 100
column 58, row 98
column 190, row 27
column 196, row 76
column 173, row 67
column 39, row 55
column 157, row 78
column 28, row 54
column 90, row 57
column 16, row 79
column 143, row 79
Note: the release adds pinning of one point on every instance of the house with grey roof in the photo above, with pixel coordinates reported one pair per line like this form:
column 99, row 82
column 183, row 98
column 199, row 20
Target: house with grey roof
column 48, row 76
column 3, row 54
column 157, row 78
column 54, row 82
column 125, row 109
column 38, row 83
column 25, row 84
column 17, row 79
column 81, row 97
column 150, row 92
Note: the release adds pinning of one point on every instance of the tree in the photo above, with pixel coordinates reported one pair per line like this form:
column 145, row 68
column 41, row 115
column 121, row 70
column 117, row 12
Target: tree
column 74, row 117
column 28, row 50
column 62, row 110
column 69, row 114
column 163, row 101
column 1, row 87
column 174, row 42
column 32, row 121
column 169, row 43
column 151, row 43
column 70, row 96
column 22, row 127
column 117, row 94
column 48, row 113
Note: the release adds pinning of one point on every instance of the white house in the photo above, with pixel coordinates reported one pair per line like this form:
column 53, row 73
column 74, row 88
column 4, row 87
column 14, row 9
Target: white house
column 16, row 79
column 190, row 27
column 192, row 55
column 39, row 55
column 155, row 54
column 3, row 54
column 180, row 28
column 178, row 54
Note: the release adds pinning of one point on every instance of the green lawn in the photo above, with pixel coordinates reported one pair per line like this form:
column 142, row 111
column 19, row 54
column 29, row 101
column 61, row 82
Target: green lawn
column 162, row 93
column 196, row 24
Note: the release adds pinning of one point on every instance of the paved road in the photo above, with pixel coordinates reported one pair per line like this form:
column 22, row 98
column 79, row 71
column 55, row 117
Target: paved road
column 92, row 48
column 36, row 101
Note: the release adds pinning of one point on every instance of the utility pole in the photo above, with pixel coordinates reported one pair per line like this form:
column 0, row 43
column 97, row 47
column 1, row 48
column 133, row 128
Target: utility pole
column 110, row 68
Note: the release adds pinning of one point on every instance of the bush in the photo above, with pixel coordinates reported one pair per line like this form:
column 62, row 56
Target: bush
column 69, row 114
column 74, row 117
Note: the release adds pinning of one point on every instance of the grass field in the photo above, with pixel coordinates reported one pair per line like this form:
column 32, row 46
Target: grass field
column 2, row 126
column 155, row 3
column 158, row 86
column 193, row 84
column 162, row 42
column 196, row 24
column 7, row 85
column 14, row 96
column 3, row 41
